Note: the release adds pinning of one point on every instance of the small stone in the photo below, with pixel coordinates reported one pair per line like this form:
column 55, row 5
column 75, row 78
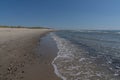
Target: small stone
column 9, row 69
column 22, row 71
column 15, row 69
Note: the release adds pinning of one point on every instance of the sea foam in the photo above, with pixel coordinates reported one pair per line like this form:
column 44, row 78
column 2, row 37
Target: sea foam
column 73, row 63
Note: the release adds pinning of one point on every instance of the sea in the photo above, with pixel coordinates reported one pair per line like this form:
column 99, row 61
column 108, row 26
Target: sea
column 87, row 54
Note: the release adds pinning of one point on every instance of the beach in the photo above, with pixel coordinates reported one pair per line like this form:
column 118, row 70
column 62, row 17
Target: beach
column 24, row 56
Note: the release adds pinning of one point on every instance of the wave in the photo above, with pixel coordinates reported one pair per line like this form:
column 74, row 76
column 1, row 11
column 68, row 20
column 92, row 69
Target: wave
column 118, row 32
column 98, row 31
column 73, row 63
column 65, row 55
column 53, row 62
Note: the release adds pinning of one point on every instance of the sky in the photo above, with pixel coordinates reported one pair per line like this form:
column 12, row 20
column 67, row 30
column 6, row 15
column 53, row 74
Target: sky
column 61, row 14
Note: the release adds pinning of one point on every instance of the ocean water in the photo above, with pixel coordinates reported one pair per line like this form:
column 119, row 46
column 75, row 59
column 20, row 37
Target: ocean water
column 87, row 55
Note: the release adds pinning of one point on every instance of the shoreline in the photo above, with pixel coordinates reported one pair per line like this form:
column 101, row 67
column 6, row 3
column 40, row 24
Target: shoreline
column 46, row 51
column 18, row 57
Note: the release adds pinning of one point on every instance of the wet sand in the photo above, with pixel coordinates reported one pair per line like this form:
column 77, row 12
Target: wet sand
column 46, row 51
column 21, row 56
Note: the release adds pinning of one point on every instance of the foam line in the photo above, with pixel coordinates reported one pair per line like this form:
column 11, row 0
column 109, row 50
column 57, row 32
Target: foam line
column 55, row 67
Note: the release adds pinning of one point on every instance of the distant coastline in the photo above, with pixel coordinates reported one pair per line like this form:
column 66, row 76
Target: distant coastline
column 28, row 27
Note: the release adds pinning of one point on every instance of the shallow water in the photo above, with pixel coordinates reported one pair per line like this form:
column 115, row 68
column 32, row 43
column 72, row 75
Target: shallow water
column 87, row 55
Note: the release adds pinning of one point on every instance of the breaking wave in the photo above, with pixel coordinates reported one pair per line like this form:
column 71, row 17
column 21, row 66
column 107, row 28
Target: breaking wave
column 73, row 63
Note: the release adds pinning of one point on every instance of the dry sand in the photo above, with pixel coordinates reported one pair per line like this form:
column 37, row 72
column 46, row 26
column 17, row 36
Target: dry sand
column 18, row 58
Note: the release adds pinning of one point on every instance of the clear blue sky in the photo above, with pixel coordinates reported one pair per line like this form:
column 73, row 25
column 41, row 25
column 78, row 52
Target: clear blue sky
column 61, row 14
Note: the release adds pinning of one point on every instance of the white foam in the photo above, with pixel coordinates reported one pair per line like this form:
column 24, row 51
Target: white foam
column 55, row 67
column 70, row 65
column 82, row 59
column 117, row 32
column 57, row 72
column 116, row 74
column 65, row 53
